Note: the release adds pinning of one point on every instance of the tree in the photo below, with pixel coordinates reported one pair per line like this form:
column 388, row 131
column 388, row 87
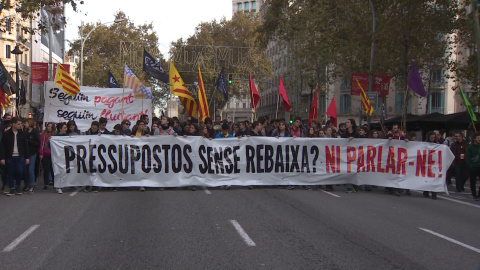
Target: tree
column 231, row 44
column 102, row 53
column 30, row 9
column 339, row 33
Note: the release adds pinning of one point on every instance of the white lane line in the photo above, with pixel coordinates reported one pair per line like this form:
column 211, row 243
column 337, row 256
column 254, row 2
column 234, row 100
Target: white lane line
column 207, row 191
column 451, row 240
column 334, row 195
column 75, row 192
column 19, row 239
column 452, row 200
column 242, row 233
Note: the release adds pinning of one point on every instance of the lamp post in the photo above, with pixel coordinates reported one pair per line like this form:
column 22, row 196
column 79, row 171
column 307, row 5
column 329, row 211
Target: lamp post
column 83, row 44
column 17, row 52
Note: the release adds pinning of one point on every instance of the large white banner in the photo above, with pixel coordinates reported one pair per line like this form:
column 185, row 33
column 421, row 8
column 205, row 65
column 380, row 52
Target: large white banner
column 91, row 104
column 167, row 161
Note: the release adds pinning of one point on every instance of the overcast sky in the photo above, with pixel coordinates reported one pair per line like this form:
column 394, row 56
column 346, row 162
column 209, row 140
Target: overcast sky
column 171, row 19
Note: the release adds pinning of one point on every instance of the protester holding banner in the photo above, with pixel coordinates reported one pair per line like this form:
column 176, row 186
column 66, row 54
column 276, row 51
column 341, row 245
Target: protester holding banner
column 311, row 133
column 72, row 128
column 472, row 158
column 117, row 130
column 350, row 133
column 256, row 129
column 14, row 155
column 328, row 132
column 126, row 127
column 62, row 129
column 432, row 138
column 140, row 129
column 224, row 132
column 350, row 129
column 165, row 128
column 94, row 129
column 102, row 127
column 296, row 128
column 33, row 146
column 203, row 131
column 281, row 131
column 46, row 156
column 243, row 131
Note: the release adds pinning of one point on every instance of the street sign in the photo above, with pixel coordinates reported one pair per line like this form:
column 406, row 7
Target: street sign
column 373, row 97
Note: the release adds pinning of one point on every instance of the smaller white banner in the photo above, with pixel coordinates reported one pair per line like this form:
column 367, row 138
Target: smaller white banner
column 91, row 104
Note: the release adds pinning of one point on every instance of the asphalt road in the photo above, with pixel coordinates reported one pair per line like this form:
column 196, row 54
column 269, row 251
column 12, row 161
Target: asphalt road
column 263, row 228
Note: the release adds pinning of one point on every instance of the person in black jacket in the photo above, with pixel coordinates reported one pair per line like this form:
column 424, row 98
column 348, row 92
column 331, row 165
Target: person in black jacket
column 14, row 154
column 33, row 146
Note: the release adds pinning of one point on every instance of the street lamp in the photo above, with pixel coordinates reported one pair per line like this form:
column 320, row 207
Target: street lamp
column 17, row 52
column 83, row 44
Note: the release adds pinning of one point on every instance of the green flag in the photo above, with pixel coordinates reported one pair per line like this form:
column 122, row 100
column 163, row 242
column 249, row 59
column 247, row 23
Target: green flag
column 467, row 104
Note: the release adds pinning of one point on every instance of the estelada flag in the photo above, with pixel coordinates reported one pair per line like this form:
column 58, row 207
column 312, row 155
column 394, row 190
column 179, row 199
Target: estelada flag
column 367, row 105
column 66, row 82
column 202, row 98
column 254, row 96
column 283, row 94
column 4, row 100
column 179, row 89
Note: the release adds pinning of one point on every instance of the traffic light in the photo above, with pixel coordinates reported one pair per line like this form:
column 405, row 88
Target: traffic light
column 230, row 79
column 291, row 121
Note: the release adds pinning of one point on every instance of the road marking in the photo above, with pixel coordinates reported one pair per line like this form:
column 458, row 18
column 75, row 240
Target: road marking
column 242, row 233
column 207, row 191
column 19, row 239
column 451, row 240
column 334, row 195
column 453, row 200
column 75, row 192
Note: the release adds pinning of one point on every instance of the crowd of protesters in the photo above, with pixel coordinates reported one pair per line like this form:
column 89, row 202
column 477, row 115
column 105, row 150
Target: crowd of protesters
column 25, row 145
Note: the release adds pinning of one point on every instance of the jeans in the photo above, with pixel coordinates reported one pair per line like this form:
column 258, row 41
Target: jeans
column 474, row 173
column 461, row 176
column 15, row 167
column 30, row 175
column 47, row 170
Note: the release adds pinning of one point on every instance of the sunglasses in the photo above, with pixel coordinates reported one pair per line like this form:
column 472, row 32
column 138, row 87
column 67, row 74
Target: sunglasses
column 128, row 124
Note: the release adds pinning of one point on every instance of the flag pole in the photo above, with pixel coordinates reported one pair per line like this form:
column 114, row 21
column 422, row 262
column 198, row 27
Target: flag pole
column 123, row 91
column 276, row 113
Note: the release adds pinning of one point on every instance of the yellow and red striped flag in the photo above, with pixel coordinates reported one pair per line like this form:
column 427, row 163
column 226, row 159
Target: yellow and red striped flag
column 179, row 89
column 202, row 98
column 366, row 104
column 4, row 100
column 66, row 82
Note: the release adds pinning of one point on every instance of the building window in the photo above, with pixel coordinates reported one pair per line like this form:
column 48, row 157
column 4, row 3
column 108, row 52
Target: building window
column 8, row 25
column 437, row 78
column 399, row 101
column 8, row 50
column 254, row 6
column 239, row 6
column 244, row 105
column 345, row 104
column 345, row 84
column 436, row 102
column 237, row 105
column 228, row 105
column 247, row 6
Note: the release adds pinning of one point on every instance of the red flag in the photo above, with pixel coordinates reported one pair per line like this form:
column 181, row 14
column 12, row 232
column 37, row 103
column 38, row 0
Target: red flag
column 283, row 94
column 313, row 109
column 254, row 97
column 332, row 112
